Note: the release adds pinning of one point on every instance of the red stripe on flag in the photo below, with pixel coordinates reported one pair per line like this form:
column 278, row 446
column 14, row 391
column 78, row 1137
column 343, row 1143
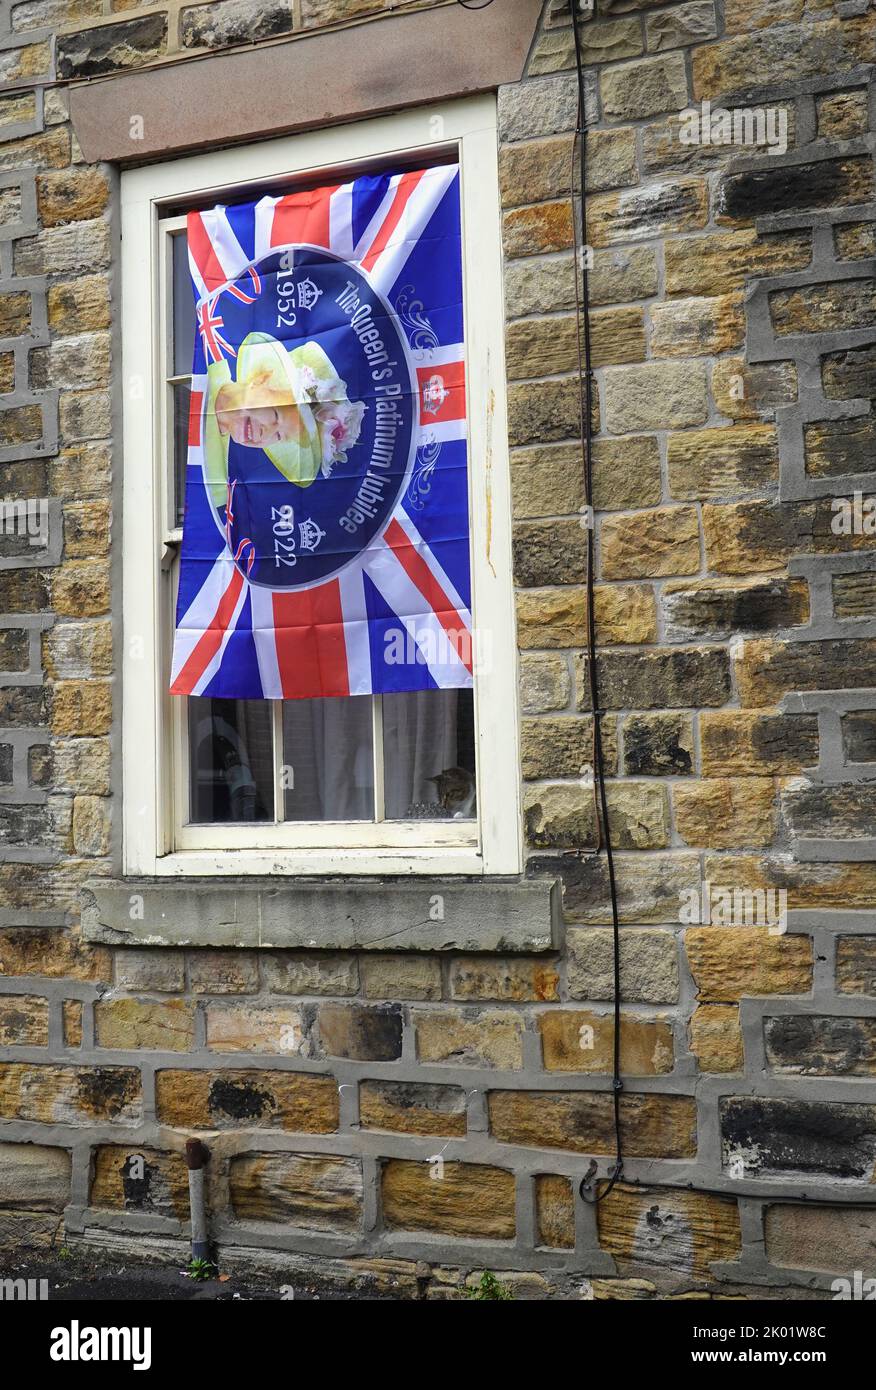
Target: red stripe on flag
column 406, row 185
column 211, row 639
column 311, row 648
column 450, row 378
column 303, row 217
column 203, row 253
column 196, row 400
column 417, row 570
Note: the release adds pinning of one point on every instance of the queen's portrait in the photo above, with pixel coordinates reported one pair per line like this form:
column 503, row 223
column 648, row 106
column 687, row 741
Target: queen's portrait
column 291, row 404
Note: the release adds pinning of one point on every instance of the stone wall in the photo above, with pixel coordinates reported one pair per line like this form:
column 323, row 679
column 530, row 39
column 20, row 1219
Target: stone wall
column 401, row 1120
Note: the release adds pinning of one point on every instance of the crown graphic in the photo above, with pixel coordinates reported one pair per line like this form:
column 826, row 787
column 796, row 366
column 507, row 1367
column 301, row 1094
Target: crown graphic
column 308, row 293
column 434, row 394
column 310, row 534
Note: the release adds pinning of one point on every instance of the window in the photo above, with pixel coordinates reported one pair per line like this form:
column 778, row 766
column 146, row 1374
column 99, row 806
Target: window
column 414, row 781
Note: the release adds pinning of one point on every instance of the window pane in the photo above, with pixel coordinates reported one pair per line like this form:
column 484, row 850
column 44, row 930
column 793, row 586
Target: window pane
column 328, row 759
column 181, row 399
column 428, row 755
column 183, row 308
column 231, row 760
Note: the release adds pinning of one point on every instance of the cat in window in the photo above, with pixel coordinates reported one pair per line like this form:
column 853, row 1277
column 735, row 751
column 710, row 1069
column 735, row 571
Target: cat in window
column 457, row 793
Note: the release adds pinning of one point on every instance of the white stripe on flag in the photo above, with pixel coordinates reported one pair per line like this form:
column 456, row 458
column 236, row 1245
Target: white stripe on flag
column 418, row 620
column 356, row 635
column 439, row 356
column 442, row 432
column 364, row 244
column 214, row 665
column 411, row 225
column 264, row 225
column 265, row 642
column 199, row 614
column 198, row 617
column 228, row 250
column 195, row 272
column 341, row 222
column 426, row 553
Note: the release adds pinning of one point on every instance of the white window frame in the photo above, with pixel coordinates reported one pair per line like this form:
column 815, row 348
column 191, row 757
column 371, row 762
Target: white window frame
column 155, row 842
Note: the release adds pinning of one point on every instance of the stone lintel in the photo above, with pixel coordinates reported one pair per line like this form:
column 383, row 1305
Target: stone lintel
column 400, row 61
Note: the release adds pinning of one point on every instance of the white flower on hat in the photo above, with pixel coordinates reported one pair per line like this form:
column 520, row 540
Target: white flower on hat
column 339, row 423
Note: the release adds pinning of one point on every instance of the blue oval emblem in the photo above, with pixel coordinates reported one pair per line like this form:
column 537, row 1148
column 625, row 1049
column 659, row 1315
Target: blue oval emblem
column 311, row 425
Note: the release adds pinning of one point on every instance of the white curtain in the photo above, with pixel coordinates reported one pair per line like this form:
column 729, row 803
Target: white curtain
column 328, row 763
column 328, row 750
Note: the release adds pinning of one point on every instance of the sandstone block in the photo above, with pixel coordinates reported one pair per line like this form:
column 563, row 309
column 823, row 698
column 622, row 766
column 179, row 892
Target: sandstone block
column 579, row 1040
column 856, row 965
column 625, row 614
column 479, row 1038
column 310, row 1192
column 310, row 973
column 835, row 1239
column 555, row 1211
column 663, row 540
column 466, row 1199
column 655, row 395
column 718, row 608
column 746, row 391
column 657, row 745
column 693, row 327
column 721, row 262
column 364, row 1034
column 512, row 981
column 626, row 472
column 412, row 1107
column 659, row 678
column 70, row 1095
column 155, row 971
column 72, row 1022
column 401, row 977
column 749, row 743
column 639, row 214
column 279, row 1029
column 823, row 1138
column 816, row 1045
column 112, row 47
column 140, row 1179
column 648, row 961
column 545, row 683
column 582, row 1122
column 34, row 1177
column 716, row 1038
column 24, row 1020
column 674, row 1230
column 168, row 1026
column 633, row 90
column 730, row 963
column 252, row 1099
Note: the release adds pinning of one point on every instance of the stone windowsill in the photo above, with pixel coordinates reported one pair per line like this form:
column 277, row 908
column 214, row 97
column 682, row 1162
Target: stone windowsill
column 512, row 915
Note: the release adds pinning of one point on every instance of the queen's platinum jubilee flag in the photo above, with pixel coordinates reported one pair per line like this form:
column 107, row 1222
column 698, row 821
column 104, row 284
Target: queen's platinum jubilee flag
column 326, row 520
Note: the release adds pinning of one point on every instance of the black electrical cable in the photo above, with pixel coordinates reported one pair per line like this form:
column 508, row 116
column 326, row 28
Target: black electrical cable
column 585, row 371
column 585, row 401
column 585, row 374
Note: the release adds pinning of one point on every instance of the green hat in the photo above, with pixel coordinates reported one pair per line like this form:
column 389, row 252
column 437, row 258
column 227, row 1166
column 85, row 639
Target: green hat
column 306, row 374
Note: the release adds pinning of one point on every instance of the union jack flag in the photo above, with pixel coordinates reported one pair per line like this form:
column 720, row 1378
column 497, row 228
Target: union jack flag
column 300, row 571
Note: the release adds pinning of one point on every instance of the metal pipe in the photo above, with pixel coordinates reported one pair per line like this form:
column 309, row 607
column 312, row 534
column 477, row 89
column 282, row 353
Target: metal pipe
column 197, row 1156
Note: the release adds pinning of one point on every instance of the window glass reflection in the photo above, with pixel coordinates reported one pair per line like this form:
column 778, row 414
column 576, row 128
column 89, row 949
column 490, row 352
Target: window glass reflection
column 231, row 760
column 328, row 760
column 429, row 755
column 183, row 308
